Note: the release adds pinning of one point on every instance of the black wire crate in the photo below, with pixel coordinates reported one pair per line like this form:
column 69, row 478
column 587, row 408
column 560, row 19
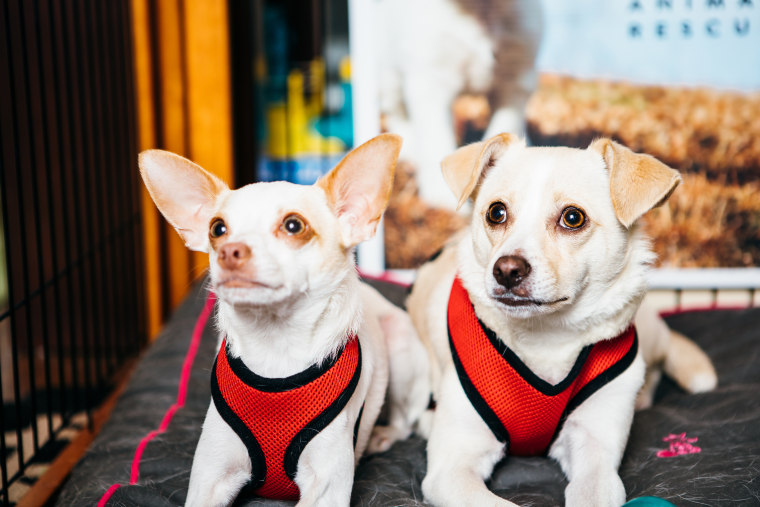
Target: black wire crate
column 70, row 267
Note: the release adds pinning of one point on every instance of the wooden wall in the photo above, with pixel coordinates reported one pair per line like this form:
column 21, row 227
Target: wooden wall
column 183, row 97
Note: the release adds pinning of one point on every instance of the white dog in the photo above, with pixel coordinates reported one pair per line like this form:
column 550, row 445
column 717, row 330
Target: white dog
column 432, row 51
column 304, row 364
column 528, row 316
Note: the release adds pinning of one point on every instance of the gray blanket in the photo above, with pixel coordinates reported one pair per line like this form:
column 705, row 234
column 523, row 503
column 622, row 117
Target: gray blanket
column 725, row 424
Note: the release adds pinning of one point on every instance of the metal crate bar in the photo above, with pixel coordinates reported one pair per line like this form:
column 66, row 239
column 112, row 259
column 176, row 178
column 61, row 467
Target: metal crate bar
column 70, row 217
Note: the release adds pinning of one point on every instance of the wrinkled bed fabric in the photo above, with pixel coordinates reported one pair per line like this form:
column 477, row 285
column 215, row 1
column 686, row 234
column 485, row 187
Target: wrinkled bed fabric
column 720, row 467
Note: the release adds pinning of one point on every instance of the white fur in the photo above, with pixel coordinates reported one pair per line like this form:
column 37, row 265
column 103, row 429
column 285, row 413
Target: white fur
column 595, row 277
column 292, row 302
column 430, row 52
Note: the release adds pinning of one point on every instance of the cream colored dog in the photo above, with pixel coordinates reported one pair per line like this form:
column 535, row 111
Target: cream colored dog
column 290, row 307
column 549, row 276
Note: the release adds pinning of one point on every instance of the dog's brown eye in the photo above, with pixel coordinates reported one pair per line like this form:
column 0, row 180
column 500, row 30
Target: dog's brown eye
column 572, row 218
column 293, row 225
column 497, row 213
column 218, row 228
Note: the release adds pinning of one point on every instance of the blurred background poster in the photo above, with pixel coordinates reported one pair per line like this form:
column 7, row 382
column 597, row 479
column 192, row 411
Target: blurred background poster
column 678, row 79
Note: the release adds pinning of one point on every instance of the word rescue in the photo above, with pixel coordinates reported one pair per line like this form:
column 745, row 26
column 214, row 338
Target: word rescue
column 686, row 19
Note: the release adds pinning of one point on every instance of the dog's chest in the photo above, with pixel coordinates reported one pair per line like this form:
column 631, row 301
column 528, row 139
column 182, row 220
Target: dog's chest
column 277, row 418
column 521, row 409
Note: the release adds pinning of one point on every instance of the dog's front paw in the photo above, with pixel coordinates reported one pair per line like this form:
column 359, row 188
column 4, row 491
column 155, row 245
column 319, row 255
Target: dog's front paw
column 464, row 491
column 383, row 437
column 601, row 490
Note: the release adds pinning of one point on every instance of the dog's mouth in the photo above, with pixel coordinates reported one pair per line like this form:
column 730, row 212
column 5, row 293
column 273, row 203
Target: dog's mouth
column 520, row 302
column 236, row 282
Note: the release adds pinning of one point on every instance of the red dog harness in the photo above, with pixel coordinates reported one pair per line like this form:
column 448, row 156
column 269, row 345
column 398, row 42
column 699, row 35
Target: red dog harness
column 276, row 417
column 521, row 409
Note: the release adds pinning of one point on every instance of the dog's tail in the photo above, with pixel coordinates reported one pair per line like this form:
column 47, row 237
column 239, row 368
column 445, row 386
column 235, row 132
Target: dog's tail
column 688, row 365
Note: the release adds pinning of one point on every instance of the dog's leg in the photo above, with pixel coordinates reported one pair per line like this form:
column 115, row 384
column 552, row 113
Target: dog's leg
column 325, row 473
column 395, row 118
column 668, row 350
column 509, row 106
column 429, row 96
column 510, row 119
column 221, row 466
column 591, row 443
column 462, row 452
column 514, row 76
column 646, row 394
column 688, row 365
column 409, row 386
column 654, row 337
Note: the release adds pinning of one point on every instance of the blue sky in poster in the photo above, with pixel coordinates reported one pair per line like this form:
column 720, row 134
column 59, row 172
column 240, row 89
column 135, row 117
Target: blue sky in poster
column 685, row 42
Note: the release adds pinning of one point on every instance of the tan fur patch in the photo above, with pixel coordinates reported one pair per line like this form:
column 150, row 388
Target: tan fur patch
column 334, row 185
column 466, row 167
column 187, row 211
column 496, row 233
column 294, row 240
column 218, row 241
column 638, row 182
column 360, row 185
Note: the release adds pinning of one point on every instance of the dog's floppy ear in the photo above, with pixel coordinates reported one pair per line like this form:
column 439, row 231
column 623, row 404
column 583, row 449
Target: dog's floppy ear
column 359, row 187
column 184, row 192
column 638, row 182
column 464, row 168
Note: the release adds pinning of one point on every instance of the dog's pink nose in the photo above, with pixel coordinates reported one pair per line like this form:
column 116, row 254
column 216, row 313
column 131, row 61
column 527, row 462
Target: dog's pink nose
column 233, row 256
column 510, row 271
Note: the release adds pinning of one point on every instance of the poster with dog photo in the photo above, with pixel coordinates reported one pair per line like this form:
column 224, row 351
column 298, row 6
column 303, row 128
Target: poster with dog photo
column 678, row 79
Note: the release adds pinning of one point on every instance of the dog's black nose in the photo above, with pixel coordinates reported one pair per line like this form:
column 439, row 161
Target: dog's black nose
column 510, row 270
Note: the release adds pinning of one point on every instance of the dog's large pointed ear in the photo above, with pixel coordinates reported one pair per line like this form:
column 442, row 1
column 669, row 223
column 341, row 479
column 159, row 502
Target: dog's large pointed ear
column 467, row 166
column 359, row 187
column 184, row 192
column 638, row 182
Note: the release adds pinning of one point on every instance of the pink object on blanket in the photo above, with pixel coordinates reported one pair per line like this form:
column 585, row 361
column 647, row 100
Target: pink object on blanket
column 679, row 445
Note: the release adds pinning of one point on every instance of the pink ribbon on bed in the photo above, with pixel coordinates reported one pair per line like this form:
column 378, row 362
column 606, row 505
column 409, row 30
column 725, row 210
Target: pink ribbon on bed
column 187, row 366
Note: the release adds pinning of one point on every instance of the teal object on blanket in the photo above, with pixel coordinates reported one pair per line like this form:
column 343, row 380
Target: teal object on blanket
column 648, row 501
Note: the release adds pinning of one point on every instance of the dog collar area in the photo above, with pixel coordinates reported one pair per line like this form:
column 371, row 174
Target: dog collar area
column 521, row 409
column 277, row 417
